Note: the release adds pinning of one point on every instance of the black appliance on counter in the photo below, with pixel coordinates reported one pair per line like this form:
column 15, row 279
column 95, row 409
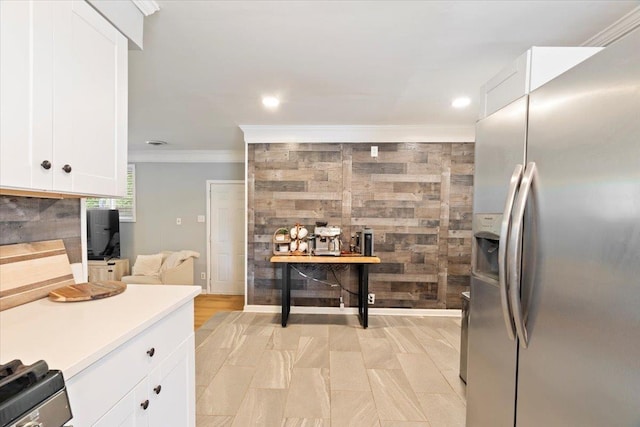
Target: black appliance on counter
column 32, row 395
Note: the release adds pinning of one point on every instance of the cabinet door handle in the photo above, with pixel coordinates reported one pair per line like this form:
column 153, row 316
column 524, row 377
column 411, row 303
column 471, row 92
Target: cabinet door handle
column 46, row 164
column 158, row 389
column 66, row 168
column 145, row 404
column 151, row 352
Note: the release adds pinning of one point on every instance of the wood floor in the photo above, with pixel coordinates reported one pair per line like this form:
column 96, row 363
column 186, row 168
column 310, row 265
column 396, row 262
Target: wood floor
column 208, row 305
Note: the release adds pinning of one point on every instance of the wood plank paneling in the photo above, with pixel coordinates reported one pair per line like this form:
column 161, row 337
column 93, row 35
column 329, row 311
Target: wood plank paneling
column 31, row 219
column 416, row 196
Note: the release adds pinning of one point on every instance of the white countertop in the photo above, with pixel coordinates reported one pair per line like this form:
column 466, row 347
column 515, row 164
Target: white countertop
column 72, row 336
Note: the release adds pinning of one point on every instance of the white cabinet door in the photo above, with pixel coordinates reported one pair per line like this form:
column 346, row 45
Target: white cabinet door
column 172, row 388
column 89, row 102
column 26, row 35
column 63, row 99
column 129, row 411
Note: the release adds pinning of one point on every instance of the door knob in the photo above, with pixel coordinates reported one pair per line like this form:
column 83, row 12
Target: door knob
column 46, row 164
column 66, row 168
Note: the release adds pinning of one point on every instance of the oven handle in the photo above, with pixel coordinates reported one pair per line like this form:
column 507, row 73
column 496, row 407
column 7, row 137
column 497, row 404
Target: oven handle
column 502, row 251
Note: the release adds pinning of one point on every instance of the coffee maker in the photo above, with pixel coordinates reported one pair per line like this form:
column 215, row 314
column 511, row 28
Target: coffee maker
column 327, row 240
column 364, row 242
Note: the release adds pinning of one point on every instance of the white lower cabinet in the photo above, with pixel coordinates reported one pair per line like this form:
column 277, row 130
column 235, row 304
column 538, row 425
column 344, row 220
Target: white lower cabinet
column 127, row 412
column 165, row 398
column 148, row 381
column 172, row 389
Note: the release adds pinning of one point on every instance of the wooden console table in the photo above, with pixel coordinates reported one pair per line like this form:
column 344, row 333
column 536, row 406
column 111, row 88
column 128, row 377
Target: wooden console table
column 363, row 279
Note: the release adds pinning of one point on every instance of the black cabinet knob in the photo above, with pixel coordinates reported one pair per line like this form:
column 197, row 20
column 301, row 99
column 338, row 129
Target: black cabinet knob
column 158, row 389
column 46, row 164
column 151, row 352
column 145, row 404
column 66, row 168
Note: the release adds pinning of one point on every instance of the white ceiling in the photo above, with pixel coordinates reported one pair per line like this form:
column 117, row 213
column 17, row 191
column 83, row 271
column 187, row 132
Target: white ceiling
column 206, row 64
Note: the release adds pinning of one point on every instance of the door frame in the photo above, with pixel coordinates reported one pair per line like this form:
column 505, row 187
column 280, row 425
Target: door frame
column 209, row 184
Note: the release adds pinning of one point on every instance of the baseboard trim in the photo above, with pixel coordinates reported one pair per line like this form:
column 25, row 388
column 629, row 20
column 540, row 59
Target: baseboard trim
column 425, row 312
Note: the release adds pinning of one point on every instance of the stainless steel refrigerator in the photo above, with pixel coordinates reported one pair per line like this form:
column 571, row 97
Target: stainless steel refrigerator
column 554, row 329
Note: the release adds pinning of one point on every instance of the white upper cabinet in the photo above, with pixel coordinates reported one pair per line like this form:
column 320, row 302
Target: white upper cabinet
column 64, row 99
column 26, row 61
column 531, row 70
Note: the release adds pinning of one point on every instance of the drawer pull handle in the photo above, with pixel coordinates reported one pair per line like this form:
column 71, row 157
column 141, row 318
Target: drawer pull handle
column 158, row 389
column 66, row 168
column 145, row 404
column 151, row 352
column 46, row 164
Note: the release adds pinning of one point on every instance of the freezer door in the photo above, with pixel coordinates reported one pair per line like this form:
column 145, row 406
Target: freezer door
column 581, row 262
column 491, row 360
column 500, row 145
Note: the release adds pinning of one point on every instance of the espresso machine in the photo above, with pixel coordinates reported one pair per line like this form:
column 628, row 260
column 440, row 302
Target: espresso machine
column 326, row 240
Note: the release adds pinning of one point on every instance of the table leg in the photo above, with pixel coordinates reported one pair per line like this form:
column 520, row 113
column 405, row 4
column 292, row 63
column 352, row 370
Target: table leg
column 363, row 294
column 286, row 293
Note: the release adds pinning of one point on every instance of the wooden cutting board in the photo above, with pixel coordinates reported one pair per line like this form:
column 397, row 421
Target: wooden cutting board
column 29, row 271
column 87, row 291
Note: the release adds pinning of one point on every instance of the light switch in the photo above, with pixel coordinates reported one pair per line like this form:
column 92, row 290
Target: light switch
column 374, row 151
column 200, row 218
column 178, row 221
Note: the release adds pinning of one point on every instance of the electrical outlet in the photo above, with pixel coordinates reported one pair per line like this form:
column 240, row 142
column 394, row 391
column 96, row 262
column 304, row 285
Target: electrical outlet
column 341, row 304
column 178, row 221
column 203, row 276
column 372, row 298
column 374, row 151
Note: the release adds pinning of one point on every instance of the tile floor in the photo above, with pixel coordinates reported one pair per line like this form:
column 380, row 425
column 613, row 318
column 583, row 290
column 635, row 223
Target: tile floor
column 325, row 370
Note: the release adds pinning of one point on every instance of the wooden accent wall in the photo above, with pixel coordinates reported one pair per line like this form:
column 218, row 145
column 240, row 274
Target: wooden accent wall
column 32, row 219
column 417, row 197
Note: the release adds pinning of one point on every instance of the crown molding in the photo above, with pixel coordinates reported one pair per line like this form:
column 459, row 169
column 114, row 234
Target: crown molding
column 618, row 29
column 256, row 134
column 147, row 7
column 187, row 156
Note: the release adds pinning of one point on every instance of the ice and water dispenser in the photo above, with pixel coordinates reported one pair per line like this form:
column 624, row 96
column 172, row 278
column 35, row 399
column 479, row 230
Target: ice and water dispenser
column 484, row 265
column 486, row 235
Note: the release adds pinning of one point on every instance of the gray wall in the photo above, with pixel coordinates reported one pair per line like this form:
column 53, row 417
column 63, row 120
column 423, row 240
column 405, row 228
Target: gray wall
column 164, row 192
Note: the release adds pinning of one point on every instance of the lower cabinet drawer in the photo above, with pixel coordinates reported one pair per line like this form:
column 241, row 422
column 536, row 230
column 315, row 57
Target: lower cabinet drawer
column 98, row 388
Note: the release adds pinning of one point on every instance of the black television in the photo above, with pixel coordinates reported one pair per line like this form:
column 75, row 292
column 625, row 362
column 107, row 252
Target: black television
column 103, row 234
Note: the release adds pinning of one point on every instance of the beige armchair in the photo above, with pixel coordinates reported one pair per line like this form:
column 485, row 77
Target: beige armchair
column 168, row 268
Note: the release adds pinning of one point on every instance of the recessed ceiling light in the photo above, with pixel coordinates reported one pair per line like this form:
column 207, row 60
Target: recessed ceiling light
column 156, row 142
column 461, row 102
column 270, row 101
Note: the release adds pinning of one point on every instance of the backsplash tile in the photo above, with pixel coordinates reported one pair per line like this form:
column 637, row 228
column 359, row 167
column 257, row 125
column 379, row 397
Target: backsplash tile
column 32, row 219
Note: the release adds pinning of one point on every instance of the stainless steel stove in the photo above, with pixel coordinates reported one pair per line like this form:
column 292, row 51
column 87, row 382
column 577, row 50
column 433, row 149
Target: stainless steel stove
column 32, row 396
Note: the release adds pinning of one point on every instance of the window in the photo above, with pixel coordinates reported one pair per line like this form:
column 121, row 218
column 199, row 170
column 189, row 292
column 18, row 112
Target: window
column 126, row 205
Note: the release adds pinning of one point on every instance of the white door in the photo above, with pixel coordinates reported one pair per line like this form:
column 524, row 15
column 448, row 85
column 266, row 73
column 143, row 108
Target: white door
column 226, row 238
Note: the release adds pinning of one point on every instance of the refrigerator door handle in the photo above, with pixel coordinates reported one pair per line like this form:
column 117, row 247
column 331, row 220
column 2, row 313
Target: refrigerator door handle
column 502, row 251
column 515, row 265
